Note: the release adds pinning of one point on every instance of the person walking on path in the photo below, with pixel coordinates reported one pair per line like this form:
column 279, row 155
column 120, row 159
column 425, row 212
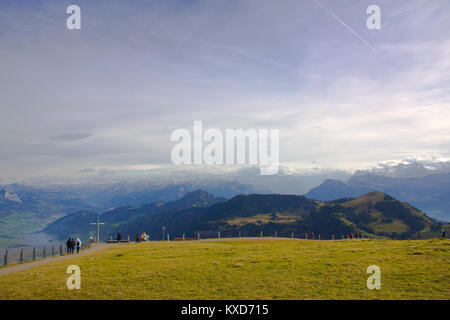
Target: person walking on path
column 72, row 245
column 119, row 237
column 68, row 246
column 138, row 238
column 350, row 235
column 78, row 245
column 444, row 232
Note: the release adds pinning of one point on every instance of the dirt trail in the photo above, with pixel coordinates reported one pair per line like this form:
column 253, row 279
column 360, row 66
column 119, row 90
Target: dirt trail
column 24, row 266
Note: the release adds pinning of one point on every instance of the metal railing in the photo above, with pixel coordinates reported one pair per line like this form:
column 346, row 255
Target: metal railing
column 29, row 253
column 261, row 234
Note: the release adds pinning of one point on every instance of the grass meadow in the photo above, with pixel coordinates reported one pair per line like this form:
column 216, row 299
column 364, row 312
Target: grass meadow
column 245, row 269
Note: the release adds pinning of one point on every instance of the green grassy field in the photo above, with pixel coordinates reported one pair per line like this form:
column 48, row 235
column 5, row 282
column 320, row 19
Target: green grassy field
column 245, row 269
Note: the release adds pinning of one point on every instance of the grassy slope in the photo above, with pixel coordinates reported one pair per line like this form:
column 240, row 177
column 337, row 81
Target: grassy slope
column 360, row 205
column 271, row 269
column 367, row 201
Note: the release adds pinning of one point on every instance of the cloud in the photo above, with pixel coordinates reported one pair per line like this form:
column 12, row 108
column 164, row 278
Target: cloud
column 109, row 95
column 71, row 136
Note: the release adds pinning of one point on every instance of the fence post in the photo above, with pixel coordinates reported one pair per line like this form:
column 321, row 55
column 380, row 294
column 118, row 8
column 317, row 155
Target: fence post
column 319, row 236
column 218, row 234
column 239, row 234
column 261, row 235
column 198, row 235
column 342, row 236
column 6, row 257
column 53, row 251
column 21, row 255
column 168, row 237
column 128, row 238
column 43, row 253
column 60, row 249
column 292, row 235
column 34, row 253
column 306, row 236
column 276, row 234
column 332, row 236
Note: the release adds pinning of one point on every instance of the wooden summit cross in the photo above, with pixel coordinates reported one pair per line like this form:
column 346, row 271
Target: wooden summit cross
column 98, row 227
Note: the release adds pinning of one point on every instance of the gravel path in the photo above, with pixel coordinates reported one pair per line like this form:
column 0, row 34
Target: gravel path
column 24, row 266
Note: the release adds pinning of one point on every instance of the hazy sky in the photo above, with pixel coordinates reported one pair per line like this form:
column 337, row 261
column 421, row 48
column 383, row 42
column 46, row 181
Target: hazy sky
column 109, row 95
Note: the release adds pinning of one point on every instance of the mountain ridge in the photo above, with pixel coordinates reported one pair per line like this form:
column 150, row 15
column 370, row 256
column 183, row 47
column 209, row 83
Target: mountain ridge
column 375, row 214
column 430, row 193
column 76, row 223
column 27, row 208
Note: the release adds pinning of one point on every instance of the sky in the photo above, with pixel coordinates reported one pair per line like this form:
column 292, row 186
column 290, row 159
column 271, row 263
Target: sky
column 108, row 96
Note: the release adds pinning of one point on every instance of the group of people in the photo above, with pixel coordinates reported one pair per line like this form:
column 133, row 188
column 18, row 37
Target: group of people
column 350, row 235
column 72, row 244
column 141, row 237
column 355, row 235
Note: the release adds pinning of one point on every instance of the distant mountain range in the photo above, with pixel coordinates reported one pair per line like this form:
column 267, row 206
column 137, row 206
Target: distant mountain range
column 137, row 193
column 78, row 224
column 126, row 205
column 25, row 209
column 430, row 193
column 375, row 214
